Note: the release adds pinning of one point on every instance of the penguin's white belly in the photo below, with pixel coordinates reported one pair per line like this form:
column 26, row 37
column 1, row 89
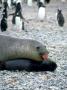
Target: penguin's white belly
column 29, row 2
column 9, row 3
column 41, row 13
column 18, row 23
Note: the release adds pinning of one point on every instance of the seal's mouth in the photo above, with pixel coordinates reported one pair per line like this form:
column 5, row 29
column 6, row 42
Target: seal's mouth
column 45, row 56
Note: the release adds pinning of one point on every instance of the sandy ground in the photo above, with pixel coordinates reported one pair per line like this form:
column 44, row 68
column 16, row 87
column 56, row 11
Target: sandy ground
column 50, row 34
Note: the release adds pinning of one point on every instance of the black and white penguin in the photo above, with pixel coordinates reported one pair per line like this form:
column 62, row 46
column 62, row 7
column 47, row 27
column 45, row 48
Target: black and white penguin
column 3, row 24
column 18, row 22
column 60, row 18
column 41, row 11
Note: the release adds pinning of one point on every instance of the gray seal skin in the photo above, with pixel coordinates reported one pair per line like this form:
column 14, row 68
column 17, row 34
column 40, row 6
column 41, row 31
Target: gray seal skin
column 13, row 48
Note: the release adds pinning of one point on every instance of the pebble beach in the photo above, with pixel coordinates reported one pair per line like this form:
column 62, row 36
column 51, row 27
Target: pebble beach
column 50, row 34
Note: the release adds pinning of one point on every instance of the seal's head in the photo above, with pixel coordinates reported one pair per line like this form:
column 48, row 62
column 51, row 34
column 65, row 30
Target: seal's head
column 43, row 52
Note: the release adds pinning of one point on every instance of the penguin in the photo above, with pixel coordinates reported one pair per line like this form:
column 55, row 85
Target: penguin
column 41, row 11
column 18, row 22
column 18, row 7
column 9, row 3
column 17, row 17
column 60, row 18
column 3, row 24
column 5, row 12
column 5, row 4
column 39, row 4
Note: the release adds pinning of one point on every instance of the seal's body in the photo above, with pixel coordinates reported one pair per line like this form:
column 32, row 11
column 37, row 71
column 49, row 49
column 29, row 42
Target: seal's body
column 22, row 54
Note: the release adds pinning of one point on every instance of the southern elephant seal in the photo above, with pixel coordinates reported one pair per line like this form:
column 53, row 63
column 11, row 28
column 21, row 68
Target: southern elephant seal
column 23, row 54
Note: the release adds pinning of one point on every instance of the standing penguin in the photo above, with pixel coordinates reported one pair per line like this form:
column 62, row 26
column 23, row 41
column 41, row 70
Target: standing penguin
column 41, row 11
column 17, row 19
column 18, row 22
column 3, row 24
column 60, row 18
